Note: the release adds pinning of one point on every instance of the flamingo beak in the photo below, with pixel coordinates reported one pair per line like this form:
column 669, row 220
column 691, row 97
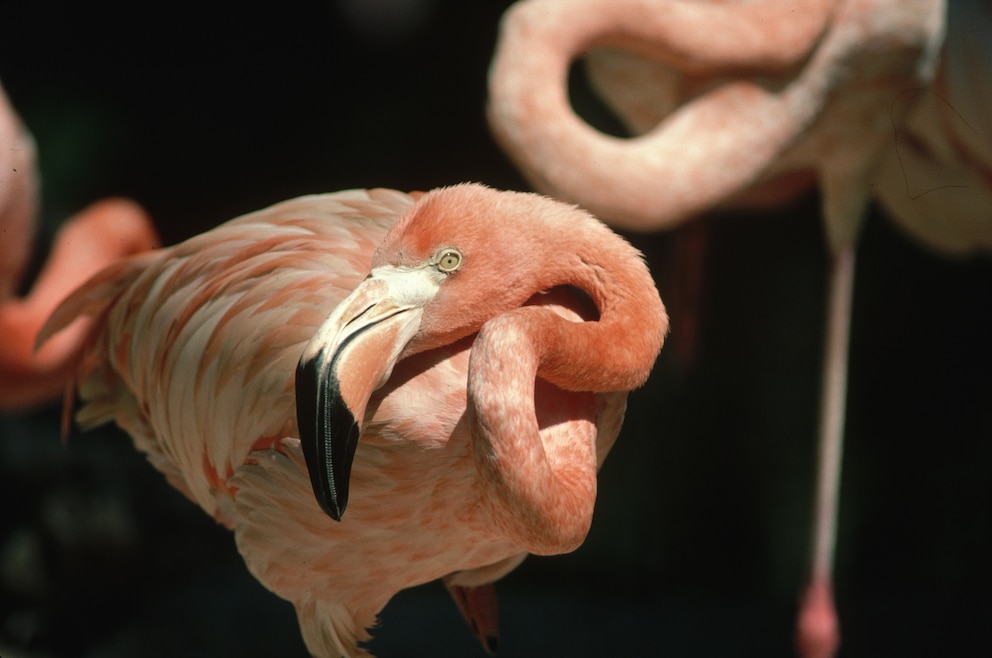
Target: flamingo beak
column 352, row 355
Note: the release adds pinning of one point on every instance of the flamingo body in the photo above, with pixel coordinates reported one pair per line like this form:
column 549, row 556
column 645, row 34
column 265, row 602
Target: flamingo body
column 193, row 352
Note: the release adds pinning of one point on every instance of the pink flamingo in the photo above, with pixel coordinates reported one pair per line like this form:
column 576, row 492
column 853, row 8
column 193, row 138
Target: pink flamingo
column 458, row 400
column 87, row 242
column 747, row 103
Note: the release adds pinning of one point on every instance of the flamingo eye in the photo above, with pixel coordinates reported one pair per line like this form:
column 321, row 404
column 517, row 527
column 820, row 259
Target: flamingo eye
column 448, row 259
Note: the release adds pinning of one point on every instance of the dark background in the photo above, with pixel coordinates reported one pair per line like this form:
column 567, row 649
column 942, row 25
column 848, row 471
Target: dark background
column 701, row 532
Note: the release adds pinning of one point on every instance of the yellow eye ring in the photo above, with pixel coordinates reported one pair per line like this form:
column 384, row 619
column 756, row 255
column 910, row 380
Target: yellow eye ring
column 448, row 259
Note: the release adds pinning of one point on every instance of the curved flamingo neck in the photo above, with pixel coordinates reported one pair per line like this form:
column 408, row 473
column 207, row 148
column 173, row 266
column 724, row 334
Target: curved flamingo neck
column 542, row 504
column 616, row 351
column 543, row 501
column 665, row 176
column 530, row 114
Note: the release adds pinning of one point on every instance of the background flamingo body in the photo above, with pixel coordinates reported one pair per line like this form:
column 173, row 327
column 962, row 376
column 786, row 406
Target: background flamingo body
column 193, row 352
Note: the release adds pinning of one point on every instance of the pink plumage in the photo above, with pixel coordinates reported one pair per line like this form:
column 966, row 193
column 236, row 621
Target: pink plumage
column 468, row 457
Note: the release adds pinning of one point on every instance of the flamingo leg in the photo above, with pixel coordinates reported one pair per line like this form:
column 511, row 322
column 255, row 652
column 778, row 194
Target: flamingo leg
column 479, row 608
column 818, row 631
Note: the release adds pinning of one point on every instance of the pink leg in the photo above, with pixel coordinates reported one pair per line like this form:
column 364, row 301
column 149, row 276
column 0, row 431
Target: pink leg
column 478, row 607
column 818, row 631
column 95, row 237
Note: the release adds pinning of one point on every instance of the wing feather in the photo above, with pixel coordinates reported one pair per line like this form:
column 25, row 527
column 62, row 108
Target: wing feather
column 193, row 347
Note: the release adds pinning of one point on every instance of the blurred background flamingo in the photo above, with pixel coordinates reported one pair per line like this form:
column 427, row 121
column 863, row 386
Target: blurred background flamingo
column 89, row 240
column 737, row 103
column 100, row 556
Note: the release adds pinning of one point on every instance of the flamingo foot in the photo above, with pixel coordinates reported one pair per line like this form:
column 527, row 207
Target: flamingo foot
column 478, row 607
column 818, row 631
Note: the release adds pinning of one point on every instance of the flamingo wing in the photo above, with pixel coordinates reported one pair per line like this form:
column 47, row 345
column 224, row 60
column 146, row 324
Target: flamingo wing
column 187, row 338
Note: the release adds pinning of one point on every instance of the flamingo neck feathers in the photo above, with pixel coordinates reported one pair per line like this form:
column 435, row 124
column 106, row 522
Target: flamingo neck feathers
column 616, row 351
column 540, row 484
column 543, row 499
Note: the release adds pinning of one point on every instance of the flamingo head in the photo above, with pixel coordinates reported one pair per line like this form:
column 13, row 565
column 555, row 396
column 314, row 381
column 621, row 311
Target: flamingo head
column 459, row 257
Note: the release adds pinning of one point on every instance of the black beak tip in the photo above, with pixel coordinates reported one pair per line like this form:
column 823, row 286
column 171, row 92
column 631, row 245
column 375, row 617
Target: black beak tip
column 332, row 507
column 328, row 434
